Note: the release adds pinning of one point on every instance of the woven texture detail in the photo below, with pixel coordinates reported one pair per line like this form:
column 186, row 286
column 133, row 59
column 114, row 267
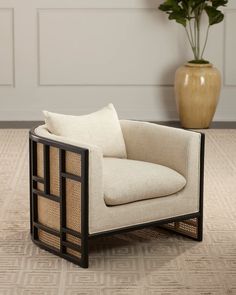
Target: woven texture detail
column 54, row 171
column 73, row 204
column 73, row 252
column 73, row 163
column 49, row 213
column 49, row 239
column 73, row 239
column 48, row 210
column 40, row 166
column 40, row 186
column 188, row 227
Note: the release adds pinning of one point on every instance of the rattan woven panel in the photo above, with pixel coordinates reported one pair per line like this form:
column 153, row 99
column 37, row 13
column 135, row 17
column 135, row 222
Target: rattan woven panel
column 187, row 227
column 54, row 171
column 73, row 163
column 40, row 157
column 73, row 252
column 49, row 239
column 73, row 205
column 40, row 186
column 73, row 239
column 48, row 213
column 58, row 180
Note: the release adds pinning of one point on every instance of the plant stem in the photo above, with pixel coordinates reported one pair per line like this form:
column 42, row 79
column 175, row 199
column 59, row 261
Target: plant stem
column 198, row 39
column 191, row 33
column 195, row 31
column 191, row 44
column 204, row 47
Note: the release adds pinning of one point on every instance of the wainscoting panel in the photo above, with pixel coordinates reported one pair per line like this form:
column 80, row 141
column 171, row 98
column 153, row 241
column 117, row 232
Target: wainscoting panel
column 6, row 47
column 107, row 46
column 75, row 56
column 230, row 48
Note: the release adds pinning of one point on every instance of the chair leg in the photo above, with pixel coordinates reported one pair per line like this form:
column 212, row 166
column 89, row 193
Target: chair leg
column 191, row 228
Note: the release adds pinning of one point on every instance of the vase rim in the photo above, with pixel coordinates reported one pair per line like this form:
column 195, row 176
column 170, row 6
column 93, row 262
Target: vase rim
column 193, row 65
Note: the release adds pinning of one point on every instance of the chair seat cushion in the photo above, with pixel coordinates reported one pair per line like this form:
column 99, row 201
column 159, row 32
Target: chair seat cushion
column 127, row 181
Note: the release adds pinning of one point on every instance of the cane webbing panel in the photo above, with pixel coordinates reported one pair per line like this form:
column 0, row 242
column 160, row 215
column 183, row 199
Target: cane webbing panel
column 48, row 213
column 40, row 186
column 73, row 252
column 54, row 171
column 57, row 178
column 73, row 239
column 187, row 227
column 73, row 205
column 73, row 163
column 49, row 239
column 40, row 166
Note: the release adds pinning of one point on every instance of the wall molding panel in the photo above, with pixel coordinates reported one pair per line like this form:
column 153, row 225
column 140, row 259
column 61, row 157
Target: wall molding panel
column 118, row 42
column 7, row 52
column 76, row 56
column 230, row 48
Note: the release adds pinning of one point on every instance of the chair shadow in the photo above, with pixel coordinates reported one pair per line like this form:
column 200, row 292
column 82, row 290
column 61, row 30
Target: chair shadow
column 148, row 244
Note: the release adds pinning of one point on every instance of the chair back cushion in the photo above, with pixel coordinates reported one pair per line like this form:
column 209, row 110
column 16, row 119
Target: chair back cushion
column 101, row 128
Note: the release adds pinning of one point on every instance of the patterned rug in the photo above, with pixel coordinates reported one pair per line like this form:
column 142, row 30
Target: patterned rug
column 144, row 262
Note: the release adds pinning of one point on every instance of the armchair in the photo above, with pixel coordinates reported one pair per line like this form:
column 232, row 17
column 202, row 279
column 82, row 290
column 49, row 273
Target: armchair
column 77, row 194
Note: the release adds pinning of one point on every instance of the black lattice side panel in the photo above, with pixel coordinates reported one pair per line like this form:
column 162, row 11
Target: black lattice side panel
column 59, row 199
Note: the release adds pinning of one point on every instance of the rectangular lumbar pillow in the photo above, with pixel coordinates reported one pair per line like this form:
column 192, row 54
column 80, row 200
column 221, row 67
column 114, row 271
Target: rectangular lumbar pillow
column 101, row 128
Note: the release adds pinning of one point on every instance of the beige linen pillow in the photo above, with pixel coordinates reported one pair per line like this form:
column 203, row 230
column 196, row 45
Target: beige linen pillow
column 101, row 128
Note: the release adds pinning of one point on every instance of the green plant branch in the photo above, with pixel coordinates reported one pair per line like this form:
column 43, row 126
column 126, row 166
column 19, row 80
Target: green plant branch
column 192, row 46
column 195, row 31
column 189, row 13
column 205, row 43
column 191, row 33
column 198, row 39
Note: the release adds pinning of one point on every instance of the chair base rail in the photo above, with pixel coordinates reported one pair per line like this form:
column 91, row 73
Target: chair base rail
column 163, row 223
column 189, row 228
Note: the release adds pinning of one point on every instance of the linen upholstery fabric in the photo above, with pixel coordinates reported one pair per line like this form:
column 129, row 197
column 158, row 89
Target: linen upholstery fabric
column 101, row 128
column 127, row 181
column 175, row 148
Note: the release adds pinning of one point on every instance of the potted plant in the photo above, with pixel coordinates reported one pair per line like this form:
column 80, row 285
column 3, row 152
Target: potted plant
column 198, row 83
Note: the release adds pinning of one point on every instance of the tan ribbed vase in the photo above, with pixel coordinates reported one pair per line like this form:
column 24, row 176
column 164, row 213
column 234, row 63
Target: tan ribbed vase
column 197, row 89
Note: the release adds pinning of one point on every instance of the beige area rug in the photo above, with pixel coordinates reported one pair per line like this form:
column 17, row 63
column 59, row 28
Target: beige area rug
column 144, row 262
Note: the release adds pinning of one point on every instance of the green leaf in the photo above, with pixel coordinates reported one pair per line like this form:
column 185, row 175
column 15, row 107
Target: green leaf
column 179, row 17
column 165, row 7
column 170, row 6
column 174, row 4
column 196, row 4
column 218, row 3
column 185, row 5
column 177, row 10
column 215, row 16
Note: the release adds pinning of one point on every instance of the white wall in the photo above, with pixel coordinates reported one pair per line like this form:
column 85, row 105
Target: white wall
column 74, row 56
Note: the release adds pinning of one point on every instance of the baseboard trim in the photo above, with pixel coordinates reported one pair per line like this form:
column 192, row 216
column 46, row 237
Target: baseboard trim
column 214, row 125
column 31, row 124
column 19, row 124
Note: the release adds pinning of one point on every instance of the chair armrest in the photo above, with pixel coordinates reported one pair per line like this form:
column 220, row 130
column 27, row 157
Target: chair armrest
column 42, row 131
column 175, row 148
column 65, row 175
column 95, row 159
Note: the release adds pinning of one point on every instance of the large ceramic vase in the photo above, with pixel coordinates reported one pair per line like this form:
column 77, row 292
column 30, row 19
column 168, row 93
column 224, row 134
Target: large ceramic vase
column 197, row 90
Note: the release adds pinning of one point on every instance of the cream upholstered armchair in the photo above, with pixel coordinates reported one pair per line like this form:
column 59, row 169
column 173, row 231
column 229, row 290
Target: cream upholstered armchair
column 151, row 176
